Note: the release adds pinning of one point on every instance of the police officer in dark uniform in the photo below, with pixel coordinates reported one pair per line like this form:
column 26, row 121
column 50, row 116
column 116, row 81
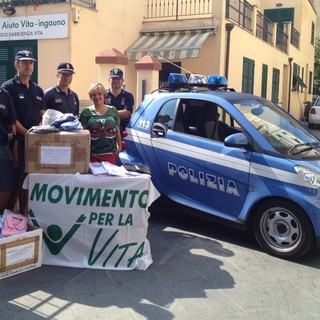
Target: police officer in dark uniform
column 60, row 97
column 119, row 98
column 8, row 150
column 30, row 106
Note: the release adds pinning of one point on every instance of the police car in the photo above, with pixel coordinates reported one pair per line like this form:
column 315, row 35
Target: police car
column 233, row 155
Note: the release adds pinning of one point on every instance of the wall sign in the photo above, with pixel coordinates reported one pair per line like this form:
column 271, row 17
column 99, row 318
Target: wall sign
column 49, row 26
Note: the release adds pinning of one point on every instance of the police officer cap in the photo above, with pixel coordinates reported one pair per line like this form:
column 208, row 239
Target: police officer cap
column 65, row 67
column 116, row 73
column 24, row 55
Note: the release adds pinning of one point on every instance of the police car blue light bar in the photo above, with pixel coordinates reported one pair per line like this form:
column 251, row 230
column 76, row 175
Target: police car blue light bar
column 215, row 82
column 177, row 79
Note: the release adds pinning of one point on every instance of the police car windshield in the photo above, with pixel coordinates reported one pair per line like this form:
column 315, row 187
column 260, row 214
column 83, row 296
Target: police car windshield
column 276, row 126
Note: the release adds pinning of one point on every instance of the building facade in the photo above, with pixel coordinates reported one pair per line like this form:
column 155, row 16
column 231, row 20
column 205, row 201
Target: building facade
column 264, row 47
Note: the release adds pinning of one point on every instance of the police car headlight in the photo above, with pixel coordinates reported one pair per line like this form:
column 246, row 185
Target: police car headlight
column 308, row 175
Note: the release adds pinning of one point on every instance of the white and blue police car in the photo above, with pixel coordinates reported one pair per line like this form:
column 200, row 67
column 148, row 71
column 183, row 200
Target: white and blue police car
column 233, row 155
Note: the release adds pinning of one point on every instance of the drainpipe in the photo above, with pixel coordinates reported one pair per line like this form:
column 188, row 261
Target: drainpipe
column 229, row 27
column 290, row 75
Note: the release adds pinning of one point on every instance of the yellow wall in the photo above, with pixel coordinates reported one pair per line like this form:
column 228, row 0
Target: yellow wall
column 101, row 29
column 96, row 31
column 118, row 26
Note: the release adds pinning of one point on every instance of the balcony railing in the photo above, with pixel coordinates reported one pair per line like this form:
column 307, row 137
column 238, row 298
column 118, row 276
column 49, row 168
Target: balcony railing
column 264, row 28
column 295, row 38
column 282, row 40
column 240, row 12
column 177, row 8
column 17, row 3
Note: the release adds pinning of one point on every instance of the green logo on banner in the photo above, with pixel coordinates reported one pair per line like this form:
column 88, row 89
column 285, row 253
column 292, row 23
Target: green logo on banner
column 54, row 238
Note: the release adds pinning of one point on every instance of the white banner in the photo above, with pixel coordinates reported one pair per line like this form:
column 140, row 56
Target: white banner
column 88, row 221
column 48, row 26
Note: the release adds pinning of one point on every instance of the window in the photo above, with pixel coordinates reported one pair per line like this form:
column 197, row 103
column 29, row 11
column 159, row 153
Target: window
column 297, row 81
column 310, row 82
column 167, row 113
column 264, row 81
column 200, row 118
column 8, row 50
column 312, row 32
column 247, row 75
column 275, row 85
column 296, row 71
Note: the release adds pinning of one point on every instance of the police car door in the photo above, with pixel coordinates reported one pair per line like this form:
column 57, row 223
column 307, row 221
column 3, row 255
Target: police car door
column 196, row 169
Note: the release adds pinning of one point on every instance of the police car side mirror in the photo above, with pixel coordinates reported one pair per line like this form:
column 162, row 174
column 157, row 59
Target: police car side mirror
column 257, row 111
column 236, row 140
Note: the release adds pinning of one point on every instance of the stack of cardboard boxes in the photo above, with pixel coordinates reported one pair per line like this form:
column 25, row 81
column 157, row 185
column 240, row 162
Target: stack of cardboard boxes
column 54, row 152
column 58, row 152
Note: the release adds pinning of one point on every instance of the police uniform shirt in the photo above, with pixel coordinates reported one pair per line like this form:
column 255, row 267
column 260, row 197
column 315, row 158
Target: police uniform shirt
column 7, row 117
column 7, row 112
column 123, row 101
column 59, row 100
column 27, row 101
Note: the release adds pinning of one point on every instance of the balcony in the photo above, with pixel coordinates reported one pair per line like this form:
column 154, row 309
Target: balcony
column 295, row 38
column 177, row 9
column 282, row 40
column 241, row 12
column 17, row 3
column 264, row 28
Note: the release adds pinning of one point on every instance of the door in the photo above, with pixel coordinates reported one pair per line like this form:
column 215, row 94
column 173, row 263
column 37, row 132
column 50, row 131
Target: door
column 191, row 162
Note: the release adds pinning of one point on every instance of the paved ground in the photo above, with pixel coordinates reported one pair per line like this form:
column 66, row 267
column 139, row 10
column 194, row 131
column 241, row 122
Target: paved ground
column 201, row 270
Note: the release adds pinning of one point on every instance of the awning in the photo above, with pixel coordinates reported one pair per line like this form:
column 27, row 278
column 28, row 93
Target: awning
column 169, row 45
column 299, row 81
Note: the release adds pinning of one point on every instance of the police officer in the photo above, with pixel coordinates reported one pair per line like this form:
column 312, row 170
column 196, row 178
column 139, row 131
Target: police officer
column 30, row 106
column 119, row 98
column 8, row 150
column 60, row 97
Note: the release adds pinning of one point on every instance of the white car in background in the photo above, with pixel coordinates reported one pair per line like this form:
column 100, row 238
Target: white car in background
column 314, row 114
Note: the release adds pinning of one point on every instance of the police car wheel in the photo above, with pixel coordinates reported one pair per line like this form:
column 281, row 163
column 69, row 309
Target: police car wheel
column 283, row 229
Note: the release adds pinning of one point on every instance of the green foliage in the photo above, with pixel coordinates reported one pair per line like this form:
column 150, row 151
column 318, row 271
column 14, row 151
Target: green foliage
column 317, row 60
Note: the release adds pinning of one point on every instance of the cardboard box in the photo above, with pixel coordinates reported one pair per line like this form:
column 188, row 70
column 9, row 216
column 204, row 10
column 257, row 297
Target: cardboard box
column 57, row 152
column 20, row 253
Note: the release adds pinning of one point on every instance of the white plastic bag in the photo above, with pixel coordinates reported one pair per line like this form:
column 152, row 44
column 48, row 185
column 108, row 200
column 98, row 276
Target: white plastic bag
column 50, row 116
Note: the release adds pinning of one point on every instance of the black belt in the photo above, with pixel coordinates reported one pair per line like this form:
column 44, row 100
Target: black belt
column 7, row 138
